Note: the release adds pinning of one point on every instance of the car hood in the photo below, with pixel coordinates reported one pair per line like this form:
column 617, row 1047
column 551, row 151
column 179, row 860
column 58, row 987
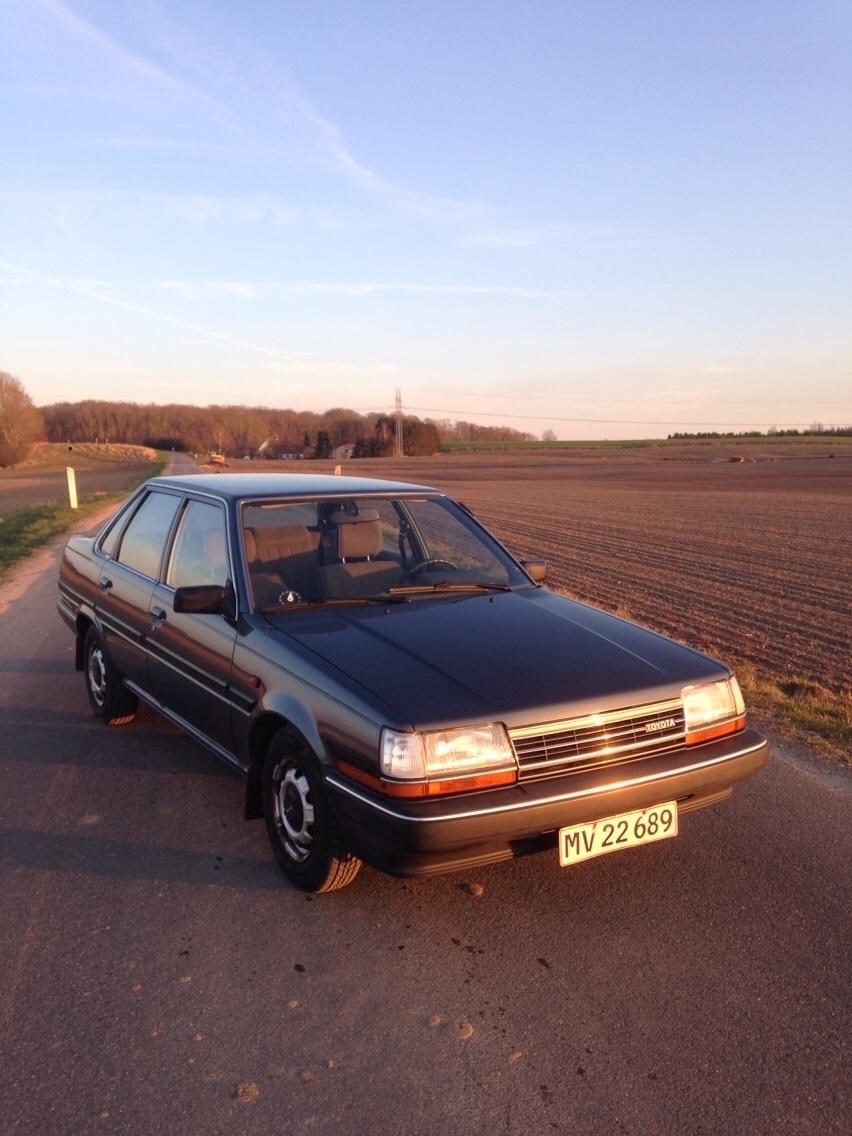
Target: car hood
column 516, row 657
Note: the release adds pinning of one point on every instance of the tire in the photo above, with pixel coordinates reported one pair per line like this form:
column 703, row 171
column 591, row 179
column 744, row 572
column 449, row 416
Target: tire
column 109, row 699
column 304, row 835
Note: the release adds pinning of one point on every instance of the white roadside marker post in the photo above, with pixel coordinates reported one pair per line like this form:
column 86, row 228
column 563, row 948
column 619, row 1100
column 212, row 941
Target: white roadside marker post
column 72, row 486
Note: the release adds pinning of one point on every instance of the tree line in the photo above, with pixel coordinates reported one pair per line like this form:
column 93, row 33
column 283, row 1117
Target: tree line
column 20, row 422
column 239, row 430
column 816, row 428
column 231, row 430
column 235, row 430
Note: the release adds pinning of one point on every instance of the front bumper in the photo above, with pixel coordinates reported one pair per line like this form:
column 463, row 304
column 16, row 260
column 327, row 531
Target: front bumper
column 445, row 834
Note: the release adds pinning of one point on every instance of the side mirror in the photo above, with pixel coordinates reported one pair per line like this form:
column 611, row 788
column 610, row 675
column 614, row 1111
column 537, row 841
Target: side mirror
column 536, row 569
column 207, row 599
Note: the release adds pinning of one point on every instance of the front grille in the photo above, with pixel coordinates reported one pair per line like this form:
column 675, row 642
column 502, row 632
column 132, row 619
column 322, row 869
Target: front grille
column 598, row 739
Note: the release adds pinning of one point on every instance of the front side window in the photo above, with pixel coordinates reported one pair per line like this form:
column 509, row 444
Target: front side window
column 200, row 551
column 145, row 537
column 448, row 536
column 109, row 542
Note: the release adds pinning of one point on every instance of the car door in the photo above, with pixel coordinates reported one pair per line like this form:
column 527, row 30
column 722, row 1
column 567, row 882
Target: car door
column 126, row 582
column 190, row 654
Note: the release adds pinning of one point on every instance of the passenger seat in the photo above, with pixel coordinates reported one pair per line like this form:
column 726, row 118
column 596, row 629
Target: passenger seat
column 282, row 560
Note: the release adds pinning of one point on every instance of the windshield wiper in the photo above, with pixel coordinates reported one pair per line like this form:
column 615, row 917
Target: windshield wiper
column 332, row 601
column 448, row 586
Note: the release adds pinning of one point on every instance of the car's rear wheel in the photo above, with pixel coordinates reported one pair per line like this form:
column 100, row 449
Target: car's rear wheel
column 304, row 835
column 110, row 700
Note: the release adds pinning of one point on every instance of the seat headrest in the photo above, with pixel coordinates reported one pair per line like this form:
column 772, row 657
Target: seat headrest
column 358, row 538
column 278, row 543
column 341, row 517
column 251, row 545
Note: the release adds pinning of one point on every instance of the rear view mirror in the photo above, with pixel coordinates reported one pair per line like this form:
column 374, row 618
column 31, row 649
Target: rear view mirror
column 537, row 569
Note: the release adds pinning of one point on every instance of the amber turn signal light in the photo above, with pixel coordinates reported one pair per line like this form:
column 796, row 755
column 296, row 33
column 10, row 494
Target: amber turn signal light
column 707, row 733
column 429, row 788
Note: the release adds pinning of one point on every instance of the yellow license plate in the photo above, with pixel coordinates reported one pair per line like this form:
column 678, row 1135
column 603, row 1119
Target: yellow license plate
column 583, row 841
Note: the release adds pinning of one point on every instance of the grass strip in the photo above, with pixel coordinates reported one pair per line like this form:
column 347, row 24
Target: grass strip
column 26, row 530
column 799, row 704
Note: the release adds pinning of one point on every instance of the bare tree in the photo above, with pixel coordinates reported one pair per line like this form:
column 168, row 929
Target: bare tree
column 20, row 422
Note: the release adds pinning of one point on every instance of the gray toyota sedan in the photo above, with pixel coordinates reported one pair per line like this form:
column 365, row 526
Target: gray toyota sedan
column 394, row 685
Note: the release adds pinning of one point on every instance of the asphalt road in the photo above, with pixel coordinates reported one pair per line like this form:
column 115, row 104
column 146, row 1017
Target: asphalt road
column 154, row 960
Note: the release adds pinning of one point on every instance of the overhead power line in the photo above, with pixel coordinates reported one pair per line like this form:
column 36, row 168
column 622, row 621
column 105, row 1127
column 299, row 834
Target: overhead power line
column 596, row 399
column 604, row 421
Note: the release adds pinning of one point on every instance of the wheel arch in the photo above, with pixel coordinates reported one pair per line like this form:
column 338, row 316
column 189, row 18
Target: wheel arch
column 82, row 623
column 263, row 731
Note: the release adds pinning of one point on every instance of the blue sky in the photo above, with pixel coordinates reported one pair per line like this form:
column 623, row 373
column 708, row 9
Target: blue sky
column 611, row 219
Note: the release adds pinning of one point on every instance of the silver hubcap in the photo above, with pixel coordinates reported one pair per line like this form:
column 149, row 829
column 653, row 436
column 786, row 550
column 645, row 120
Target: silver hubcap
column 97, row 676
column 294, row 813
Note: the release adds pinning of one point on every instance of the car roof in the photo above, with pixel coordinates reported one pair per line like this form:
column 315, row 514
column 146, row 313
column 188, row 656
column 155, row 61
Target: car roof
column 243, row 486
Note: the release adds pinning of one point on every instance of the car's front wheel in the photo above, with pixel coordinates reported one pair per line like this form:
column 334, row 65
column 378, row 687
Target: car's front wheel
column 304, row 835
column 109, row 698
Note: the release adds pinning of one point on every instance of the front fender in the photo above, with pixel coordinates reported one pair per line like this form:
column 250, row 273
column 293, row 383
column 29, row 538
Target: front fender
column 295, row 714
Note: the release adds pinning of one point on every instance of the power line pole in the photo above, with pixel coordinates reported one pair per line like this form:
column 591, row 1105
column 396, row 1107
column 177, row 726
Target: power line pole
column 398, row 448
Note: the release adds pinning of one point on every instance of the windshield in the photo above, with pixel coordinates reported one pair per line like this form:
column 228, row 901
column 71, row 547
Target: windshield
column 356, row 548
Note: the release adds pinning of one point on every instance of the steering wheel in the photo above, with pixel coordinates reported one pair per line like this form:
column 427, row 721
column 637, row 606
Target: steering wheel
column 424, row 565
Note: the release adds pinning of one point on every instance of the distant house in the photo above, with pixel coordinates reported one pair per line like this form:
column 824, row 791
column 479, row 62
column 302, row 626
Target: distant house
column 342, row 453
column 278, row 449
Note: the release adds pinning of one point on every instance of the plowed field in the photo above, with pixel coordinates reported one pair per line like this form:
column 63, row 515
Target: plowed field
column 747, row 561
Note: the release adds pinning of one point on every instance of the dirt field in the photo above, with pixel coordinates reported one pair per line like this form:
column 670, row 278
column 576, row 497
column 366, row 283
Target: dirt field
column 749, row 561
column 746, row 559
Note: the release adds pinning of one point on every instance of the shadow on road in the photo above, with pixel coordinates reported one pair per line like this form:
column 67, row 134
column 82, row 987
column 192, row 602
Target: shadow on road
column 91, row 856
column 42, row 737
column 34, row 666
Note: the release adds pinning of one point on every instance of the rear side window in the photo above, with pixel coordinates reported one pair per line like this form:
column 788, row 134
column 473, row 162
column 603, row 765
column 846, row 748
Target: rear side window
column 145, row 537
column 200, row 553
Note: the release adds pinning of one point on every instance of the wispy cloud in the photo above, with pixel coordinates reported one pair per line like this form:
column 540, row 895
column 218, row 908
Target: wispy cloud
column 369, row 288
column 252, row 289
column 152, row 72
column 309, row 368
column 166, row 145
column 63, row 217
column 195, row 208
column 292, row 363
column 199, row 209
column 531, row 236
column 106, row 298
column 35, row 90
column 196, row 289
column 291, row 121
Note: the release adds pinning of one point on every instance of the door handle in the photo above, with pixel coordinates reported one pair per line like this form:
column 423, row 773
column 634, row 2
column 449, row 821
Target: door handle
column 104, row 583
column 157, row 617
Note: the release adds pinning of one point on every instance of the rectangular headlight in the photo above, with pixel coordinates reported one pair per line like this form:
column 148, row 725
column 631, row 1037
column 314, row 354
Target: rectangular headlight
column 712, row 709
column 449, row 760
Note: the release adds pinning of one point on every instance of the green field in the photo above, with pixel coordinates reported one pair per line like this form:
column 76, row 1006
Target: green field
column 85, row 455
column 825, row 443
